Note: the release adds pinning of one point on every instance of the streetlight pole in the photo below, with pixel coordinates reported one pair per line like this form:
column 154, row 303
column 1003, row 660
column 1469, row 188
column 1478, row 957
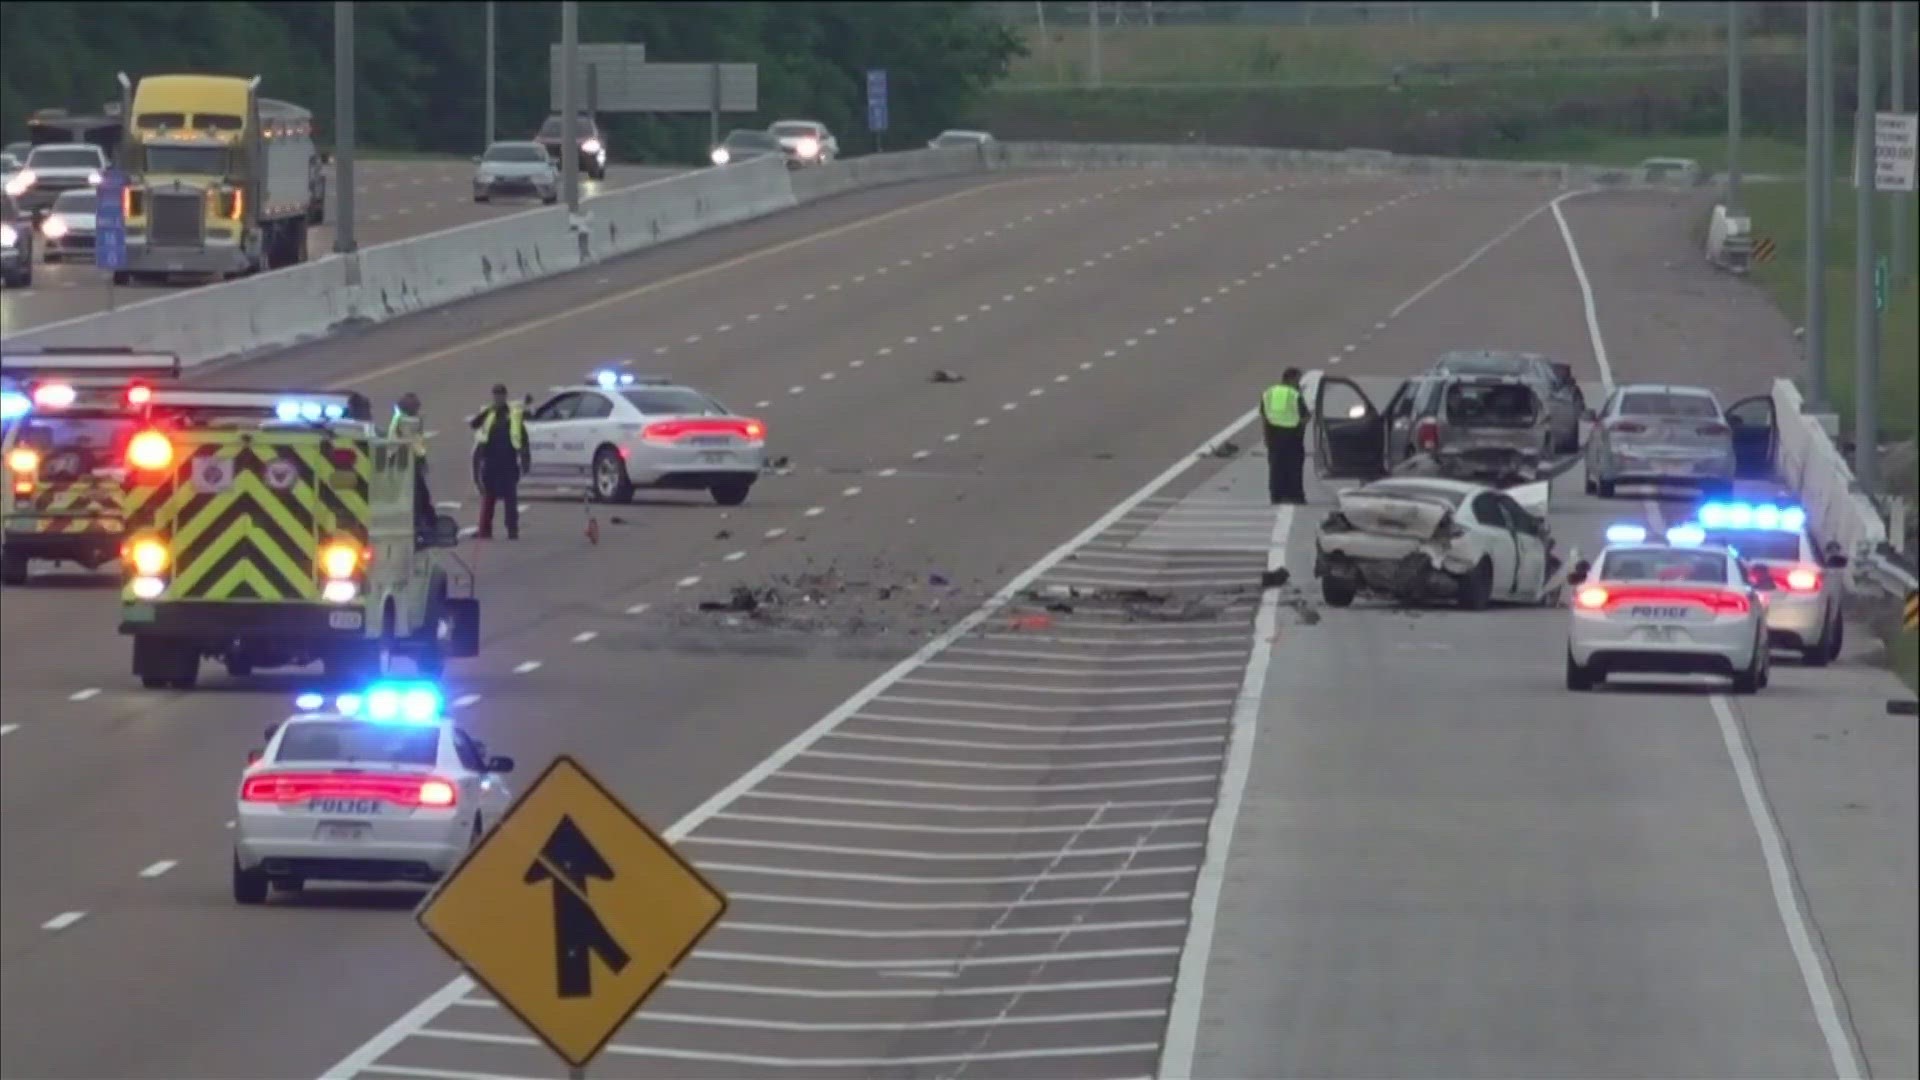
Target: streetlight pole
column 569, row 123
column 491, row 50
column 1866, row 320
column 343, row 128
column 1734, row 12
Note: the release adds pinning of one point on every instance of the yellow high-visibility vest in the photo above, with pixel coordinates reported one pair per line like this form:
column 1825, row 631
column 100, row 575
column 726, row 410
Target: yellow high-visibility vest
column 1281, row 405
column 516, row 426
column 409, row 428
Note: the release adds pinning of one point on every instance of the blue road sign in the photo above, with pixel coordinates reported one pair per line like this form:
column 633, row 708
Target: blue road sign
column 110, row 224
column 877, row 99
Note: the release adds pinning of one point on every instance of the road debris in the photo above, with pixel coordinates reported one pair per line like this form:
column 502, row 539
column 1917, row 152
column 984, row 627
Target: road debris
column 1276, row 578
column 1226, row 449
column 942, row 375
column 723, row 534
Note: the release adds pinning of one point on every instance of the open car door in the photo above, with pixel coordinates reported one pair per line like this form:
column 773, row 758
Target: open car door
column 1351, row 435
column 1755, row 434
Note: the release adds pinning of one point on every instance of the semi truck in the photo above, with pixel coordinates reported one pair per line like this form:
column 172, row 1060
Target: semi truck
column 220, row 181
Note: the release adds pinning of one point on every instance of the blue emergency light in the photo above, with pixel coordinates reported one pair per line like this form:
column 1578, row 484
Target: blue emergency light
column 1626, row 534
column 14, row 405
column 1765, row 516
column 1686, row 536
column 384, row 703
column 309, row 411
column 610, row 379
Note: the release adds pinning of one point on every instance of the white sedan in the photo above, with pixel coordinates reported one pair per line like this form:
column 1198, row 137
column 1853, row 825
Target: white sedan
column 619, row 432
column 369, row 787
column 1423, row 539
column 1685, row 607
column 806, row 142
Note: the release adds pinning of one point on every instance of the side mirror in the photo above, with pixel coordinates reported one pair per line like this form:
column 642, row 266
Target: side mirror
column 499, row 764
column 446, row 531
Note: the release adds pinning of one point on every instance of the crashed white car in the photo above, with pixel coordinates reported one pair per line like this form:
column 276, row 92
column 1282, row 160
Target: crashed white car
column 1425, row 539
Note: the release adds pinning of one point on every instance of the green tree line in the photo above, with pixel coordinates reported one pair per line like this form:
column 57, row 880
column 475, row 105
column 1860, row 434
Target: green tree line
column 420, row 67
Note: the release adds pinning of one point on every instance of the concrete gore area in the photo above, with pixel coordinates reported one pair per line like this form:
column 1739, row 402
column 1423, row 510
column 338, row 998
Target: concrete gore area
column 985, row 865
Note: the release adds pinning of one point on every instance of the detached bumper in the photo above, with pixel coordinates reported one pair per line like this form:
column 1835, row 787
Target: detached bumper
column 296, row 626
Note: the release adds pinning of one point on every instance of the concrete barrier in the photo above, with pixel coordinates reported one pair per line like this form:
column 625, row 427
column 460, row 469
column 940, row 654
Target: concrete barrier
column 1807, row 461
column 655, row 213
column 879, row 170
column 1357, row 160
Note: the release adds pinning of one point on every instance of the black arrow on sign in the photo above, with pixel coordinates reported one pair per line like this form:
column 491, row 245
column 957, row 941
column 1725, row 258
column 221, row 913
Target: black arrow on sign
column 569, row 860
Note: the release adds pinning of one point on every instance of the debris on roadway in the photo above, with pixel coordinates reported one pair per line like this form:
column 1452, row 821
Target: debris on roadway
column 942, row 375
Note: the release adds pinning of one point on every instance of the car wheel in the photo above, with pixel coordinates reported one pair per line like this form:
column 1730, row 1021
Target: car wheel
column 610, row 481
column 1839, row 637
column 1476, row 588
column 480, row 198
column 249, row 886
column 1337, row 592
column 731, row 491
column 1578, row 678
column 1748, row 681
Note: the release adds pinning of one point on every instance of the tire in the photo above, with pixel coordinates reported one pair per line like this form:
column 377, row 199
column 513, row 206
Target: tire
column 610, row 481
column 154, row 682
column 1839, row 638
column 1750, row 680
column 249, row 886
column 549, row 200
column 1824, row 653
column 731, row 491
column 1476, row 590
column 1337, row 593
column 1578, row 678
column 13, row 569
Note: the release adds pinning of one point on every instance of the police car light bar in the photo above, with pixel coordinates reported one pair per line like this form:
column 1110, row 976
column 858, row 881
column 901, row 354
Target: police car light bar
column 14, row 405
column 1764, row 516
column 1626, row 534
column 1686, row 536
column 611, row 379
column 309, row 411
column 383, row 703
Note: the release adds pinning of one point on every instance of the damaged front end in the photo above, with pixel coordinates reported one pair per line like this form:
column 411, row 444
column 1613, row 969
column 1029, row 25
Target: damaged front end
column 1407, row 549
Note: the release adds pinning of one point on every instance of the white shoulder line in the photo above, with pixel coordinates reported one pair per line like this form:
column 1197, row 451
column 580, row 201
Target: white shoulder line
column 424, row 1013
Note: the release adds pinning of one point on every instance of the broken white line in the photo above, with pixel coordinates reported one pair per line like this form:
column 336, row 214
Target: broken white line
column 526, row 667
column 734, row 556
column 63, row 920
column 159, row 868
column 585, row 636
column 850, row 492
column 82, row 695
column 814, row 511
column 687, row 582
column 774, row 534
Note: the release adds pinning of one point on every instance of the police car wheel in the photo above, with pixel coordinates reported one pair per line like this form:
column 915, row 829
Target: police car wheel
column 732, row 491
column 610, row 481
column 1748, row 681
column 1579, row 678
column 249, row 886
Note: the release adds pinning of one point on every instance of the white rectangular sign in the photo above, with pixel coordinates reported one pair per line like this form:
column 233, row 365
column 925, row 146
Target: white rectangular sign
column 1894, row 143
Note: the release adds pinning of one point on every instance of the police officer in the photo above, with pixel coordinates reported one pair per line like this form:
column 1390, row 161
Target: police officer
column 1283, row 417
column 408, row 425
column 502, row 455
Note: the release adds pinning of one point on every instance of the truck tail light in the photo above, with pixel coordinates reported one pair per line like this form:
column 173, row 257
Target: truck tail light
column 149, row 451
column 1426, row 434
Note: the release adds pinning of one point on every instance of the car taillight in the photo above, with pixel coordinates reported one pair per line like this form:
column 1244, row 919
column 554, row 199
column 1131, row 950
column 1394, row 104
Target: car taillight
column 1627, row 427
column 1426, row 434
column 1718, row 601
column 672, row 431
column 1713, row 430
column 53, row 396
column 23, row 461
column 139, row 394
column 1592, row 598
column 150, row 451
column 1804, row 579
column 404, row 791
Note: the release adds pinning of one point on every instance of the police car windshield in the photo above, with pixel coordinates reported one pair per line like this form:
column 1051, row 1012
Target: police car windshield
column 340, row 741
column 1679, row 406
column 673, row 401
column 1665, row 564
column 1771, row 545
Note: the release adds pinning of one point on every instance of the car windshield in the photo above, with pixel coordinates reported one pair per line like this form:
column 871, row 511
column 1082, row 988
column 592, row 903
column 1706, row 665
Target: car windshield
column 1450, row 496
column 83, row 201
column 582, row 126
column 1665, row 564
column 750, row 140
column 673, row 401
column 1769, row 545
column 65, row 158
column 348, row 740
column 1471, row 364
column 73, row 445
column 792, row 129
column 524, row 153
column 1491, row 403
column 189, row 160
column 1677, row 406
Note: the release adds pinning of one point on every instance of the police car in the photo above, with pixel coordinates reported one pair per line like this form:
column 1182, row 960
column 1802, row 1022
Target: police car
column 618, row 432
column 1803, row 614
column 374, row 786
column 1684, row 607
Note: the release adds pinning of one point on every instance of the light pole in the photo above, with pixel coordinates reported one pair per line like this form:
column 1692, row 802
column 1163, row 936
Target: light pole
column 343, row 133
column 1866, row 321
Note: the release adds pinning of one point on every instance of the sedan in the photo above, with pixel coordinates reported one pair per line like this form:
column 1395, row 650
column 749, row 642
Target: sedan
column 16, row 245
column 959, row 137
column 1659, row 434
column 516, row 169
column 69, row 227
column 742, row 145
column 807, row 142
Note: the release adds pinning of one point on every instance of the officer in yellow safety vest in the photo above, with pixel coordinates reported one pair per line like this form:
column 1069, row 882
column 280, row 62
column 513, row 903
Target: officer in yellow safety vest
column 407, row 424
column 502, row 456
column 1283, row 419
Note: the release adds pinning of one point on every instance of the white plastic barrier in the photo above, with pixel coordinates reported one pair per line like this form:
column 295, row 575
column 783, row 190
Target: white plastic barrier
column 1809, row 462
column 878, row 170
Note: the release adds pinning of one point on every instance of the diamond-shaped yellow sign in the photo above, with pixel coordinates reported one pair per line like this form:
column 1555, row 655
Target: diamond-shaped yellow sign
column 571, row 912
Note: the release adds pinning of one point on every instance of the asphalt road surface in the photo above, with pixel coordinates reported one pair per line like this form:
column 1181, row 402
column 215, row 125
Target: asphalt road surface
column 1019, row 812
column 398, row 199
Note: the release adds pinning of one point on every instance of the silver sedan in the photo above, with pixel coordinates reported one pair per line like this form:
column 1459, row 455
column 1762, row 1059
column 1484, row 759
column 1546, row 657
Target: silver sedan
column 1658, row 434
column 510, row 169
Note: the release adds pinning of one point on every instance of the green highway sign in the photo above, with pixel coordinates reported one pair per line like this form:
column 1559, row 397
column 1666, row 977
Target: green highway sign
column 1880, row 284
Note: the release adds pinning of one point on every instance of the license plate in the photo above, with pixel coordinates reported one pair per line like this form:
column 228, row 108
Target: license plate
column 716, row 457
column 346, row 620
column 334, row 830
column 1656, row 633
column 344, row 807
column 709, row 440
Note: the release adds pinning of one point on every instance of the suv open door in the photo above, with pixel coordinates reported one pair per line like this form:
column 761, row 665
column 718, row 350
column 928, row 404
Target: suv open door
column 1350, row 441
column 1755, row 435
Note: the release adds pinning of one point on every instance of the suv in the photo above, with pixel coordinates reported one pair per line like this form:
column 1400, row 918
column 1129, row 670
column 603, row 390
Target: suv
column 16, row 244
column 53, row 169
column 1481, row 428
column 1551, row 380
column 593, row 144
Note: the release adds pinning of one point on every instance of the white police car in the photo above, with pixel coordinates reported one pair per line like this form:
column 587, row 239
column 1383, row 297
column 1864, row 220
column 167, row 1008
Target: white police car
column 618, row 432
column 369, row 787
column 1803, row 614
column 1685, row 607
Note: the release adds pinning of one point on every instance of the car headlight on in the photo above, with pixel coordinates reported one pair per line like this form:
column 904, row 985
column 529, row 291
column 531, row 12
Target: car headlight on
column 21, row 181
column 94, row 178
column 54, row 228
column 808, row 147
column 720, row 155
column 9, row 236
column 590, row 147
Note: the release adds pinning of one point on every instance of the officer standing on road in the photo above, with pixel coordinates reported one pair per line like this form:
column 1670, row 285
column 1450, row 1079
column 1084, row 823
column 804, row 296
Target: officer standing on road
column 408, row 425
column 1283, row 418
column 502, row 454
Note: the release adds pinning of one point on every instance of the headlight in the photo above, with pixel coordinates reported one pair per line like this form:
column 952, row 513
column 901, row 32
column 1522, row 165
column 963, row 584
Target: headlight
column 720, row 155
column 807, row 147
column 9, row 236
column 55, row 227
column 591, row 146
column 21, row 181
column 94, row 178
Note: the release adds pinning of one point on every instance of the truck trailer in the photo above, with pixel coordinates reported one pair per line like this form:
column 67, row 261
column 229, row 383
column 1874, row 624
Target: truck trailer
column 220, row 181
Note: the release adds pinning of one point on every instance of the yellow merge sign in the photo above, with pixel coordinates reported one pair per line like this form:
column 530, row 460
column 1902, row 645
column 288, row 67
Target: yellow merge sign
column 571, row 912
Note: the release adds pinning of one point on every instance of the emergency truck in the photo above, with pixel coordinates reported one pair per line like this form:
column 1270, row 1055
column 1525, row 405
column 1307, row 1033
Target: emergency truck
column 65, row 418
column 282, row 541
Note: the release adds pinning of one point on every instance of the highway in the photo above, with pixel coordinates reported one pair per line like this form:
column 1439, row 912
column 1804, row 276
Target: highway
column 1019, row 813
column 397, row 199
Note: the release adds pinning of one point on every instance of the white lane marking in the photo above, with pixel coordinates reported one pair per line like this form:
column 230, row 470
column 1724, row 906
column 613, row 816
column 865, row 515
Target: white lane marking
column 1051, row 854
column 964, row 932
column 659, row 350
column 951, row 830
column 692, row 339
column 733, row 556
column 1586, row 293
column 1079, row 810
column 585, row 636
column 526, row 667
column 826, row 376
column 1036, row 391
column 780, row 307
column 910, row 340
column 888, row 472
column 1102, row 661
column 763, row 1061
column 950, row 438
column 921, row 455
column 1029, row 688
column 1475, row 257
column 417, row 1018
column 1785, row 896
column 63, row 920
column 723, row 328
column 159, row 868
column 762, row 404
column 638, row 609
column 8, row 729
column 1082, row 673
column 82, row 695
column 814, row 511
column 1028, row 747
column 796, row 389
column 753, row 316
column 466, row 701
column 884, row 350
column 1009, row 406
column 849, row 493
column 760, row 1023
column 1026, row 790
column 1060, row 378
column 981, row 421
column 1087, row 365
column 1190, row 984
column 774, row 534
column 687, row 582
column 1000, row 766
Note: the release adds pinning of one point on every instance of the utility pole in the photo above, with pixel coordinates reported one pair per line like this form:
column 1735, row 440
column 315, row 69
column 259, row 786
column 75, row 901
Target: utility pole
column 1902, row 200
column 569, row 84
column 343, row 133
column 1866, row 319
column 1093, row 41
column 1734, row 11
column 491, row 50
column 1819, row 173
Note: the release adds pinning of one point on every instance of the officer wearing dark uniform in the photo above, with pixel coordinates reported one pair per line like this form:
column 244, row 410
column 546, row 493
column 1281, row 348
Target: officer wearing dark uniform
column 407, row 424
column 502, row 453
column 1283, row 418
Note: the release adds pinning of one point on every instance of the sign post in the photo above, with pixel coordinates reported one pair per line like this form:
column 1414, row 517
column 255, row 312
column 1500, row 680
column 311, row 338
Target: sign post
column 1894, row 138
column 877, row 104
column 110, row 228
column 571, row 912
